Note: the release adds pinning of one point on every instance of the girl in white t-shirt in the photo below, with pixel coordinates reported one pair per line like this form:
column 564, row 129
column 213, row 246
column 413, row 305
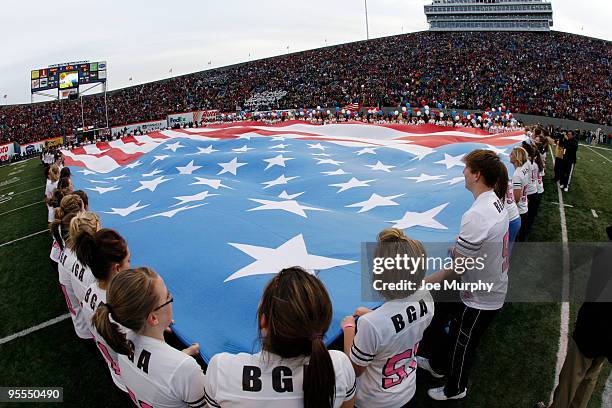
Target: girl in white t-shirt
column 106, row 253
column 52, row 179
column 294, row 368
column 384, row 343
column 520, row 186
column 154, row 373
column 483, row 242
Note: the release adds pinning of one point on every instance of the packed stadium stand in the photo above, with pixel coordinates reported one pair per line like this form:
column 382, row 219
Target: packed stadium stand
column 551, row 74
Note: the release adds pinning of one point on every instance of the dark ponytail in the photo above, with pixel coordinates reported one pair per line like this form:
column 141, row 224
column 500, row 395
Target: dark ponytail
column 99, row 250
column 298, row 312
column 491, row 168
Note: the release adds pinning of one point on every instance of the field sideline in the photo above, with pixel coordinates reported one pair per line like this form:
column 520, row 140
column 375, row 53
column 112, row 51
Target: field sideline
column 516, row 361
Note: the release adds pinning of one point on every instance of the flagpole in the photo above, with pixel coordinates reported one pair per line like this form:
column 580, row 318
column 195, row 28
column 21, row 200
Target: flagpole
column 366, row 18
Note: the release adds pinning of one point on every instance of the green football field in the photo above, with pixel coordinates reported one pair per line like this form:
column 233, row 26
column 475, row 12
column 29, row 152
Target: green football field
column 516, row 360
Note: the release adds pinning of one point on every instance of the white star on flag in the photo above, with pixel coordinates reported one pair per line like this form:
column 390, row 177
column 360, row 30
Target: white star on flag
column 411, row 169
column 151, row 185
column 188, row 169
column 87, row 172
column 338, row 172
column 291, row 206
column 230, row 167
column 497, row 150
column 159, row 158
column 209, row 182
column 117, row 177
column 127, row 210
column 244, row 136
column 287, row 196
column 321, row 154
column 329, row 161
column 424, row 177
column 196, row 197
column 98, row 181
column 174, row 146
column 203, row 150
column 278, row 138
column 453, row 181
column 152, row 173
column 376, row 201
column 103, row 190
column 171, row 213
column 243, row 149
column 352, row 183
column 273, row 260
column 133, row 165
column 380, row 166
column 424, row 219
column 316, row 146
column 278, row 146
column 366, row 150
column 279, row 180
column 277, row 161
column 451, row 161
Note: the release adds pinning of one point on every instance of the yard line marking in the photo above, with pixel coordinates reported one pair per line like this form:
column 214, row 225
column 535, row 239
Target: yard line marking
column 27, row 236
column 25, row 191
column 35, row 328
column 8, row 186
column 565, row 310
column 19, row 208
column 598, row 153
column 592, row 212
column 565, row 205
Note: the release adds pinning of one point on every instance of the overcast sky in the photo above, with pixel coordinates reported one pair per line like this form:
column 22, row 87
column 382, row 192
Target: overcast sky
column 145, row 39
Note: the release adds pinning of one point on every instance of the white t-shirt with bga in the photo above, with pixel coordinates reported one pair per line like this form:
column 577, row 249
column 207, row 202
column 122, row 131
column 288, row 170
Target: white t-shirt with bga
column 386, row 343
column 265, row 380
column 160, row 376
column 484, row 236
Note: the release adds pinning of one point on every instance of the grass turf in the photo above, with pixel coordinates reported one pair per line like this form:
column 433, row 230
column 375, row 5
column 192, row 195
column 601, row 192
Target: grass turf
column 515, row 363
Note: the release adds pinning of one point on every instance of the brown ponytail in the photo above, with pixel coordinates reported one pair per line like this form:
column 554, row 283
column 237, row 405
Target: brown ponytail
column 69, row 205
column 491, row 168
column 298, row 312
column 99, row 250
column 130, row 298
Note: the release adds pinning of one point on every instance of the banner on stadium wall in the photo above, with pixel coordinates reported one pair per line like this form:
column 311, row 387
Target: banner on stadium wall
column 180, row 118
column 198, row 116
column 30, row 148
column 7, row 151
column 55, row 141
column 143, row 126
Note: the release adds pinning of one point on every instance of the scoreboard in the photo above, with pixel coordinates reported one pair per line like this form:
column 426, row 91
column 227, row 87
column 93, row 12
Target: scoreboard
column 68, row 76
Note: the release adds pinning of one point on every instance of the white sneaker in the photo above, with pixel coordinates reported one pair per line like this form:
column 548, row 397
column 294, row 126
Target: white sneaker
column 438, row 394
column 423, row 363
column 566, row 189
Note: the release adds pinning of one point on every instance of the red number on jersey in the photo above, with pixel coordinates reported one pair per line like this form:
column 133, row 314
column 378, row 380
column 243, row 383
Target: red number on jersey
column 506, row 253
column 108, row 358
column 395, row 375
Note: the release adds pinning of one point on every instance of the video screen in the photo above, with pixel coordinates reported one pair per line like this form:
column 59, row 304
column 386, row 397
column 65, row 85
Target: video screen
column 68, row 79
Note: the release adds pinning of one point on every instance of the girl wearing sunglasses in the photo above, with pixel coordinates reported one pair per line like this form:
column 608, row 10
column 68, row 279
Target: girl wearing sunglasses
column 154, row 373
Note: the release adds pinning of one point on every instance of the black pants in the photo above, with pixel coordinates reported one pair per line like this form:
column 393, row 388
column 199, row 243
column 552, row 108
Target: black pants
column 533, row 204
column 453, row 354
column 567, row 169
column 522, row 234
column 558, row 169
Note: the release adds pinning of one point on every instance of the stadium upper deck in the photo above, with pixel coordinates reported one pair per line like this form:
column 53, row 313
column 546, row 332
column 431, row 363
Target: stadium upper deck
column 553, row 74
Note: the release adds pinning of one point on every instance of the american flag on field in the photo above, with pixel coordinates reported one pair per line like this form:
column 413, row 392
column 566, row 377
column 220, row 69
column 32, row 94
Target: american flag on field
column 218, row 210
column 353, row 107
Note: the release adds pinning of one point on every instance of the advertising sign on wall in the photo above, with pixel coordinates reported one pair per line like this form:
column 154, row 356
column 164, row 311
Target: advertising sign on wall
column 7, row 151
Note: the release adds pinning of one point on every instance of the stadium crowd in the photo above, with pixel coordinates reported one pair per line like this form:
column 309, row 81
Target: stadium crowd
column 552, row 74
column 126, row 311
